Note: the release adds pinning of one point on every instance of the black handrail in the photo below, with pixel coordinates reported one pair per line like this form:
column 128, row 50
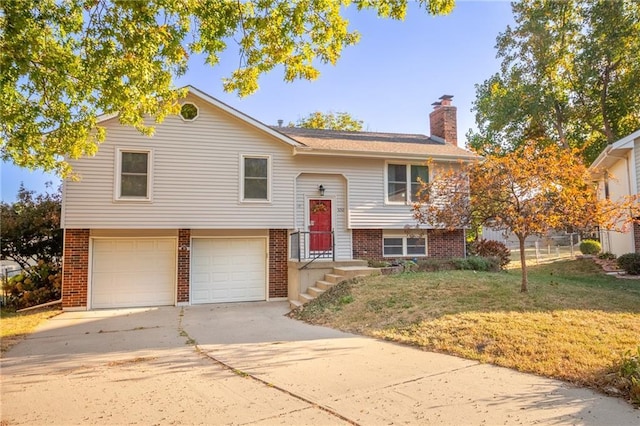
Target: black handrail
column 300, row 250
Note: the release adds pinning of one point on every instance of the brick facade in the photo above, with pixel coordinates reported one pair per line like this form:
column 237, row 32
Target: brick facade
column 278, row 263
column 443, row 120
column 184, row 265
column 75, row 267
column 445, row 244
column 367, row 244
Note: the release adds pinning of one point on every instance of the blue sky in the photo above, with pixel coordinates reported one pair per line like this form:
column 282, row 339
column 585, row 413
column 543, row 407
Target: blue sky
column 388, row 80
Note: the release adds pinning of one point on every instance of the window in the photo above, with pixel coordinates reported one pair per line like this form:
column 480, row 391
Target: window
column 189, row 112
column 401, row 246
column 255, row 178
column 134, row 171
column 400, row 178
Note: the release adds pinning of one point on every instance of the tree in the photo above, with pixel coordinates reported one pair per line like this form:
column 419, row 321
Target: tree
column 65, row 62
column 31, row 228
column 534, row 189
column 329, row 121
column 569, row 76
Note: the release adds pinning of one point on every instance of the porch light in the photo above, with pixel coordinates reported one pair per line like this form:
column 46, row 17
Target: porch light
column 321, row 189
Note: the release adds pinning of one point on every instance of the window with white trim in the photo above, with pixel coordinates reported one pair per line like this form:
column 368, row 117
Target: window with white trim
column 404, row 246
column 189, row 111
column 256, row 172
column 403, row 183
column 134, row 174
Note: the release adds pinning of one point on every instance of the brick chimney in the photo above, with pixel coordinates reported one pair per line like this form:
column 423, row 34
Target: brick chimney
column 443, row 120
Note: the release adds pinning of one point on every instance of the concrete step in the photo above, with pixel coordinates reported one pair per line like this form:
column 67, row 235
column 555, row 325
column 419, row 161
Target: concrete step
column 293, row 304
column 324, row 285
column 333, row 278
column 314, row 291
column 355, row 271
column 305, row 298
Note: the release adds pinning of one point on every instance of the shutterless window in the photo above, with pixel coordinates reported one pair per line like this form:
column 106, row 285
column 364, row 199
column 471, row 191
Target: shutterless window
column 404, row 246
column 397, row 182
column 421, row 172
column 416, row 246
column 256, row 178
column 401, row 177
column 134, row 174
column 393, row 246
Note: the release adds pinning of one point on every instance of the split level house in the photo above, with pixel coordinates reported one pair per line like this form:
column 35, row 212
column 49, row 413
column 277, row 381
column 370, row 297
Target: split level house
column 617, row 170
column 219, row 207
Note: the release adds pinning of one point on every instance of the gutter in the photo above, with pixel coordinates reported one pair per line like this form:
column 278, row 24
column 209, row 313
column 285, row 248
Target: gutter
column 384, row 155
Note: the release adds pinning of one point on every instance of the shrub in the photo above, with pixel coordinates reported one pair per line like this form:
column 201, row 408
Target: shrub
column 630, row 263
column 435, row 265
column 491, row 249
column 606, row 256
column 476, row 263
column 372, row 263
column 630, row 373
column 37, row 284
column 590, row 247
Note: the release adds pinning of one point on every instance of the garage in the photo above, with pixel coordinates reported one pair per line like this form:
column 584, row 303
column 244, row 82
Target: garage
column 228, row 270
column 133, row 272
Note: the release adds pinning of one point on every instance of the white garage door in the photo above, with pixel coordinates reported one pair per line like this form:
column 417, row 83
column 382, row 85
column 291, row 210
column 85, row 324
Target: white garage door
column 228, row 270
column 133, row 272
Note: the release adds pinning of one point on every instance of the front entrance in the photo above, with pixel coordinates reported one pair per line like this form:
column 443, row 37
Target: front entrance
column 320, row 238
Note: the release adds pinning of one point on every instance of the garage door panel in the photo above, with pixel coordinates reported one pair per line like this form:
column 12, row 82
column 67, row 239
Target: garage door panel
column 133, row 272
column 228, row 270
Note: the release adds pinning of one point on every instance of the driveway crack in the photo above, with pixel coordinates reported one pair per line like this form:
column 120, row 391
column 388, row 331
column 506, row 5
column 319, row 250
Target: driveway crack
column 192, row 342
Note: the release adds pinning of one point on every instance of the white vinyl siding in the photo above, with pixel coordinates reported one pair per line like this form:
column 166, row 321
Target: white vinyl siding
column 196, row 182
column 196, row 175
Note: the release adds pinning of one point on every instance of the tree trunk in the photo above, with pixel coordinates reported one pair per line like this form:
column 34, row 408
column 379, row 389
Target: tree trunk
column 523, row 264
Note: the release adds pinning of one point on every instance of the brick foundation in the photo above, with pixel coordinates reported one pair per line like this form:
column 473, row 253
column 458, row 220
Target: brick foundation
column 278, row 263
column 367, row 244
column 184, row 264
column 445, row 244
column 75, row 268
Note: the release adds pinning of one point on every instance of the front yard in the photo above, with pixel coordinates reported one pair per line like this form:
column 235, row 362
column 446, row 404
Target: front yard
column 14, row 326
column 575, row 324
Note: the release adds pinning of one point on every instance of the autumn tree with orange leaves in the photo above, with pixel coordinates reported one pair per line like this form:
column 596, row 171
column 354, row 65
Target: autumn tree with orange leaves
column 530, row 191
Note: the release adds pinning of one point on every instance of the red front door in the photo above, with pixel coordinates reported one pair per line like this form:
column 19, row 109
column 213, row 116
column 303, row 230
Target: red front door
column 320, row 225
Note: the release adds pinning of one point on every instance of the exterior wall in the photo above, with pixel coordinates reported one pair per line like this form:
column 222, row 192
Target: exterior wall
column 75, row 266
column 195, row 177
column 444, row 123
column 365, row 190
column 335, row 190
column 278, row 263
column 444, row 244
column 197, row 164
column 367, row 244
column 184, row 265
column 615, row 242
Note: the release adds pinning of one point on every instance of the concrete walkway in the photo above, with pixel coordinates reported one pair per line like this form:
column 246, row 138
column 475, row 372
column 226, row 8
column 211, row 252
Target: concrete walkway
column 248, row 364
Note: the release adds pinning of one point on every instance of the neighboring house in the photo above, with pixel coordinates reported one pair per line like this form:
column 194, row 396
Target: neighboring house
column 219, row 207
column 616, row 171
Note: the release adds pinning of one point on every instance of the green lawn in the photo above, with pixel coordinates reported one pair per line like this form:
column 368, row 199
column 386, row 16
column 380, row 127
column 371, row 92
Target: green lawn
column 574, row 324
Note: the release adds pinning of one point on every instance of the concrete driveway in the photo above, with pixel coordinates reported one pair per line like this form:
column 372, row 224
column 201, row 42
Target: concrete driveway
column 249, row 364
